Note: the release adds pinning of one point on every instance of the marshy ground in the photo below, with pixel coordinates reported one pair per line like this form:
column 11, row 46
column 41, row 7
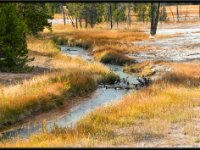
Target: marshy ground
column 166, row 113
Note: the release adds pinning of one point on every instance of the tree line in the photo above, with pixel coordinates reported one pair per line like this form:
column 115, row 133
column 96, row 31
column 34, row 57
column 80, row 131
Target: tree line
column 21, row 19
column 94, row 13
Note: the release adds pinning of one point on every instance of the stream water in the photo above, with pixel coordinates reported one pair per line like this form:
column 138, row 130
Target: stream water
column 187, row 44
column 69, row 117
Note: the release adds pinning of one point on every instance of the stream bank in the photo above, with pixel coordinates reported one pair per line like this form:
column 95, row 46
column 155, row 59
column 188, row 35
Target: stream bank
column 103, row 95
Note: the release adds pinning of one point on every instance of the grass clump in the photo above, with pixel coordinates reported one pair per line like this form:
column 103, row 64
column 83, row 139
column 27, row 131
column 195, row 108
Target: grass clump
column 71, row 42
column 142, row 69
column 113, row 57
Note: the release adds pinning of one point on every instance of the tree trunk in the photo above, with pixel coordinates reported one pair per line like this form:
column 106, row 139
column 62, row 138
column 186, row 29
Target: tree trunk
column 86, row 22
column 80, row 22
column 71, row 18
column 143, row 15
column 76, row 23
column 172, row 14
column 72, row 21
column 92, row 22
column 110, row 14
column 199, row 12
column 135, row 7
column 177, row 13
column 117, row 21
column 117, row 16
column 63, row 12
column 154, row 19
column 157, row 18
column 129, row 16
column 186, row 13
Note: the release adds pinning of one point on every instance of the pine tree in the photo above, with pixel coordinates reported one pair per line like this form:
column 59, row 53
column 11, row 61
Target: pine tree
column 13, row 48
column 36, row 16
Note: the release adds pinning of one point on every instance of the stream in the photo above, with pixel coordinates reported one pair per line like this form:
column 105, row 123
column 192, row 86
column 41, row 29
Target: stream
column 180, row 48
column 69, row 117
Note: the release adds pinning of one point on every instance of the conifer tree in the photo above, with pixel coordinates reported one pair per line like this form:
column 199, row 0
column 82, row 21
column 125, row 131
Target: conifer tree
column 36, row 16
column 13, row 48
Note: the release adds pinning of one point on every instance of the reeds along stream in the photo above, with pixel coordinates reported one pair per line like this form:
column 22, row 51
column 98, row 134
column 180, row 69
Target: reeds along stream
column 68, row 118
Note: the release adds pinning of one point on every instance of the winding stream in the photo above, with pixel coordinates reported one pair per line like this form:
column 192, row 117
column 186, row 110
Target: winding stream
column 187, row 45
column 69, row 117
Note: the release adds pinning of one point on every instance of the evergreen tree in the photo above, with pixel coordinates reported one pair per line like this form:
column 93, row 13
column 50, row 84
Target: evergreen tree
column 13, row 48
column 36, row 16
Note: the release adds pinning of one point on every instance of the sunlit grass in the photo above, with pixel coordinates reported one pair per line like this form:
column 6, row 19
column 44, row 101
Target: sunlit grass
column 112, row 57
column 66, row 77
column 165, row 102
column 142, row 69
column 90, row 38
column 113, row 43
column 42, row 46
column 169, row 100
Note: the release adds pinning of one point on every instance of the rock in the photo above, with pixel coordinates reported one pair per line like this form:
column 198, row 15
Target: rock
column 141, row 82
column 127, row 83
column 123, row 80
column 116, row 82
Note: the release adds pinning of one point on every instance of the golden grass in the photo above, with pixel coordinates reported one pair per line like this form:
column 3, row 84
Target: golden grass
column 168, row 100
column 41, row 93
column 95, row 37
column 43, row 46
column 164, row 102
column 66, row 77
column 143, row 69
column 190, row 10
column 106, row 44
column 112, row 55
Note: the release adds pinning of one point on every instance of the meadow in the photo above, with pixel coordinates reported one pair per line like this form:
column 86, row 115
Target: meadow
column 58, row 78
column 148, row 114
column 152, row 116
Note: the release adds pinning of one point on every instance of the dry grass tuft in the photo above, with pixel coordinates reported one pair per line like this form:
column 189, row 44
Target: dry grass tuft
column 112, row 57
column 143, row 69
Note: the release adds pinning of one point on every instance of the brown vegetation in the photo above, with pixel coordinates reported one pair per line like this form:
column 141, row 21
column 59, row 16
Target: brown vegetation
column 152, row 112
column 59, row 78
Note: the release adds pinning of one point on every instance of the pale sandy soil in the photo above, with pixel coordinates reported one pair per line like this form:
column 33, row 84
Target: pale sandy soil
column 42, row 64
